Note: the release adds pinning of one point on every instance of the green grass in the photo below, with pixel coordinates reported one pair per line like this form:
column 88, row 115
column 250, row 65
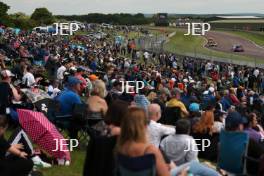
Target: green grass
column 75, row 169
column 81, row 32
column 160, row 30
column 130, row 35
column 193, row 46
column 256, row 37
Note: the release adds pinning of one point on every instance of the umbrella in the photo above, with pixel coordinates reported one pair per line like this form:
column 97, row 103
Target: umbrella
column 43, row 133
column 35, row 95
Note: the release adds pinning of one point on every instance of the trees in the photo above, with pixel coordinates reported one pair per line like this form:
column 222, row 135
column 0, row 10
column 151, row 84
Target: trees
column 117, row 18
column 42, row 16
column 4, row 17
column 21, row 20
column 3, row 9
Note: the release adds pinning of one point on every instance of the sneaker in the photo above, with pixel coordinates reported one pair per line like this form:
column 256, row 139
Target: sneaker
column 67, row 163
column 63, row 162
column 39, row 163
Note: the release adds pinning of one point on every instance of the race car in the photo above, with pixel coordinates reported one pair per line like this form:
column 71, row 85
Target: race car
column 238, row 48
column 211, row 43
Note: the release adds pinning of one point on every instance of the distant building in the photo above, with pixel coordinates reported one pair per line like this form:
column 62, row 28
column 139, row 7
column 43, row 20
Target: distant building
column 239, row 17
column 162, row 19
column 180, row 22
column 248, row 23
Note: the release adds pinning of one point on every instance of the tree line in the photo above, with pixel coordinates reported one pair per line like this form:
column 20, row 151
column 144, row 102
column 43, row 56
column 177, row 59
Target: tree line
column 21, row 20
column 42, row 16
column 120, row 18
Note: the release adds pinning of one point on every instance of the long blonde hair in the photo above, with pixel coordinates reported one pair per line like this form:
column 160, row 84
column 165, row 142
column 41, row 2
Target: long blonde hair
column 133, row 127
column 99, row 88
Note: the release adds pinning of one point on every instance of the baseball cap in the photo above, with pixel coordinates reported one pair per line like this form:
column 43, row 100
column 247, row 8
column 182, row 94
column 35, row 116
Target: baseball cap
column 6, row 73
column 80, row 69
column 233, row 119
column 73, row 69
column 194, row 107
column 73, row 81
column 93, row 77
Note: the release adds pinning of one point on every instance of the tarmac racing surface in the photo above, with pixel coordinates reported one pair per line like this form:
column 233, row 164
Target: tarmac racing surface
column 225, row 42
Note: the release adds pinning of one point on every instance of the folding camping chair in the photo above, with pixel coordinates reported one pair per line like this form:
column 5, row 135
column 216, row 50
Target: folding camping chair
column 99, row 154
column 136, row 166
column 62, row 122
column 233, row 152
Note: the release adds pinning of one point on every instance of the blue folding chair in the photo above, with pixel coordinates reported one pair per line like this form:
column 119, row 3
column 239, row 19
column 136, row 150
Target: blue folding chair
column 136, row 166
column 233, row 151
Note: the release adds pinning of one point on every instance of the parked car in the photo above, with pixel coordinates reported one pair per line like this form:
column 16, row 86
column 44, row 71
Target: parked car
column 108, row 26
column 97, row 35
column 45, row 29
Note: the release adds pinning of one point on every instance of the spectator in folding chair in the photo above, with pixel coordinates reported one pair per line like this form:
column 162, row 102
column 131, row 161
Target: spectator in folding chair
column 176, row 145
column 252, row 122
column 234, row 123
column 8, row 94
column 133, row 143
column 67, row 99
column 181, row 149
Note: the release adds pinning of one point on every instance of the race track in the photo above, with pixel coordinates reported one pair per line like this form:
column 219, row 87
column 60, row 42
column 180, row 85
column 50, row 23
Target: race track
column 226, row 40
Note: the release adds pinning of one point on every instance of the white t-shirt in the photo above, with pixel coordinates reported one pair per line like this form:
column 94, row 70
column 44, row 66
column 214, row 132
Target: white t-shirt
column 146, row 55
column 156, row 131
column 28, row 79
column 256, row 73
column 180, row 148
column 60, row 72
column 218, row 126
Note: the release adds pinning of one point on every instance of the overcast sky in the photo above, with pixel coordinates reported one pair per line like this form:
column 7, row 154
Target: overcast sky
column 64, row 7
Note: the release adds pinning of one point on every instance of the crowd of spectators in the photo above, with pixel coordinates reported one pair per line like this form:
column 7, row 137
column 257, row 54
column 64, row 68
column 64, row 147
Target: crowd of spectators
column 184, row 100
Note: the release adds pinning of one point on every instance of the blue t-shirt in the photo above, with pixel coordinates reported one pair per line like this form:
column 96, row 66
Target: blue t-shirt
column 67, row 100
column 226, row 103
